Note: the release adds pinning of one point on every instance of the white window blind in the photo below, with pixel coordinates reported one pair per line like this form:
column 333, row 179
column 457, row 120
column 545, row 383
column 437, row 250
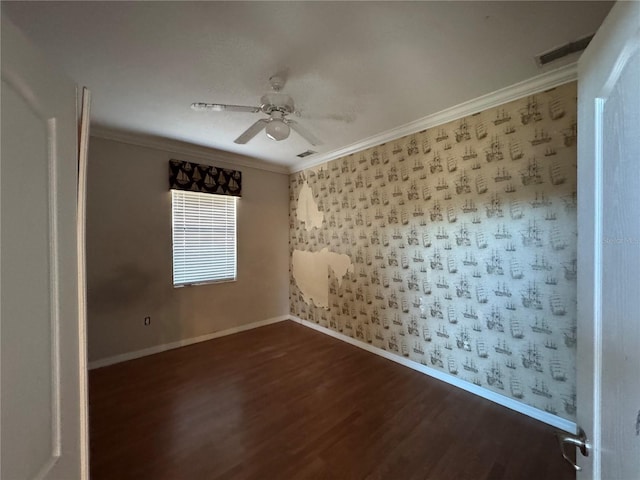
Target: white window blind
column 204, row 237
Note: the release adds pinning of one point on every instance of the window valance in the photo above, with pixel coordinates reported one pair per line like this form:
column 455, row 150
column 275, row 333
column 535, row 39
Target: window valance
column 204, row 178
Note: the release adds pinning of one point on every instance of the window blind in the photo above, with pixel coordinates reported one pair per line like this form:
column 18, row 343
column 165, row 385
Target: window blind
column 204, row 237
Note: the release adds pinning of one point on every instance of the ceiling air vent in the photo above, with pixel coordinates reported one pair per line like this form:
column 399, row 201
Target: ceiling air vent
column 563, row 51
column 306, row 154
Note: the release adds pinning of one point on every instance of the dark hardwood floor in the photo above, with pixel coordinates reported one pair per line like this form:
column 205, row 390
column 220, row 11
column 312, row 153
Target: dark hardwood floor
column 286, row 402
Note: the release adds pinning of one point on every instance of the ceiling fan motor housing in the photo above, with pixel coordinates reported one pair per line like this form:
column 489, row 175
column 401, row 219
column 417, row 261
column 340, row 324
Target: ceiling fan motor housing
column 276, row 102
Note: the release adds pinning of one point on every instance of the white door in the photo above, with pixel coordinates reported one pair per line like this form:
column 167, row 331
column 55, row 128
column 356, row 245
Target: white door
column 43, row 409
column 609, row 247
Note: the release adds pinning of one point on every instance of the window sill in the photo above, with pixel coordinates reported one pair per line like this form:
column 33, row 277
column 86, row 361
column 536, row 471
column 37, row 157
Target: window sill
column 207, row 282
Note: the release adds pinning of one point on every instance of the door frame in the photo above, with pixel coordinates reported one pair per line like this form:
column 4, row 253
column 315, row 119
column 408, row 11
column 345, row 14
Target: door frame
column 615, row 31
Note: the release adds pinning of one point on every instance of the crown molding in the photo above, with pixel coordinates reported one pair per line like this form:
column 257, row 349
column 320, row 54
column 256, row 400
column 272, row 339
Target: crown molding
column 536, row 84
column 531, row 86
column 183, row 148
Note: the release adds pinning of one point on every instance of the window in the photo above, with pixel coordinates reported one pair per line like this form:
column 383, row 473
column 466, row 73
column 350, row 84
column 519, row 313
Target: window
column 204, row 237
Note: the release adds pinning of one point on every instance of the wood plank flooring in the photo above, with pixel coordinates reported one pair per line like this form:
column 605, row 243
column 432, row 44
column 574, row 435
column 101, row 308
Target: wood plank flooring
column 286, row 402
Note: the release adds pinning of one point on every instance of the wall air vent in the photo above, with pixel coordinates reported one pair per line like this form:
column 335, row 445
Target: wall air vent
column 563, row 51
column 306, row 154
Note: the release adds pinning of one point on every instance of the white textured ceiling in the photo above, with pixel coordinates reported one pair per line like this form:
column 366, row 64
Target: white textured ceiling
column 387, row 63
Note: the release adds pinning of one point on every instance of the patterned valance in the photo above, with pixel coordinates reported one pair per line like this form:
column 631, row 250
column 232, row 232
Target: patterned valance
column 204, row 178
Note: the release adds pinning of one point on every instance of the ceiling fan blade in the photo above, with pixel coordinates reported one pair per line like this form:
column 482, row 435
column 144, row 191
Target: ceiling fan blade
column 304, row 133
column 252, row 131
column 220, row 107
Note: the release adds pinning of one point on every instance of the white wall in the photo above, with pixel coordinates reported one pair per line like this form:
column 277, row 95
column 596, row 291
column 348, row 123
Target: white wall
column 129, row 264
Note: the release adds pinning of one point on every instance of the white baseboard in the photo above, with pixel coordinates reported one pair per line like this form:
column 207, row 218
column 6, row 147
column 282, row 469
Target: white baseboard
column 182, row 343
column 520, row 407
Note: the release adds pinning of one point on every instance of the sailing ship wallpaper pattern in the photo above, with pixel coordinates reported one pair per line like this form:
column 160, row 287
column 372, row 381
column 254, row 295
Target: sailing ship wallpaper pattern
column 204, row 178
column 463, row 243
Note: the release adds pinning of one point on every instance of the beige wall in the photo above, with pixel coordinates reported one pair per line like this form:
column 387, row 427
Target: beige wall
column 129, row 262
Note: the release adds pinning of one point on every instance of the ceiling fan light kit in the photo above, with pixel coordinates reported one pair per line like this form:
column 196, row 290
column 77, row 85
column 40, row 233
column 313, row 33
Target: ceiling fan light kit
column 275, row 104
column 277, row 129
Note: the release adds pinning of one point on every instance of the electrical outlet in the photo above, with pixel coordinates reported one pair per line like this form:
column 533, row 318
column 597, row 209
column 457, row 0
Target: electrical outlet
column 147, row 320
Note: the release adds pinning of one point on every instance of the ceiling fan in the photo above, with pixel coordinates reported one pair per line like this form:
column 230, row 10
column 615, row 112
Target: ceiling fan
column 276, row 105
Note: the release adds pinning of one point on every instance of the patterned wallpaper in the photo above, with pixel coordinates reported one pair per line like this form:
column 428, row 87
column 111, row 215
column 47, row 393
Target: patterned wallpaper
column 463, row 244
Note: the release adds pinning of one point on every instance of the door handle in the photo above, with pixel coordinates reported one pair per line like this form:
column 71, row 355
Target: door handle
column 580, row 440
